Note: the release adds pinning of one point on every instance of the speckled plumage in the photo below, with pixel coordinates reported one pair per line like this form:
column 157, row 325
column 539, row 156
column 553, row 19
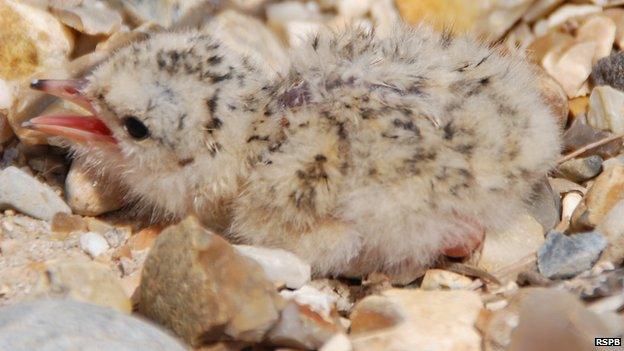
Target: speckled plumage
column 366, row 154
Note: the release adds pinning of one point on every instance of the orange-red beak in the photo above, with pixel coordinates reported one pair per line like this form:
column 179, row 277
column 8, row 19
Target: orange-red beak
column 70, row 126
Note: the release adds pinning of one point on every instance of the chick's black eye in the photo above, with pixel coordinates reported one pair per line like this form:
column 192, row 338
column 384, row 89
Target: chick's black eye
column 135, row 127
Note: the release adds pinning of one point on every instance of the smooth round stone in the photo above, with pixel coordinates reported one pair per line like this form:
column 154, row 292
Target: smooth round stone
column 59, row 325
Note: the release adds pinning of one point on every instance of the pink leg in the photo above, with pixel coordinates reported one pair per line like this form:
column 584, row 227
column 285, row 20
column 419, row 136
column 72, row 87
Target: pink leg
column 474, row 235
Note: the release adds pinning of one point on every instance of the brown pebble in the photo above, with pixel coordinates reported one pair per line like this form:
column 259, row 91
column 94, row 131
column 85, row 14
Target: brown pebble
column 64, row 223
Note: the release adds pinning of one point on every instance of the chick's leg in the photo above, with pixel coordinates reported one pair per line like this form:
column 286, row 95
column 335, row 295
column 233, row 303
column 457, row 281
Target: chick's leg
column 474, row 235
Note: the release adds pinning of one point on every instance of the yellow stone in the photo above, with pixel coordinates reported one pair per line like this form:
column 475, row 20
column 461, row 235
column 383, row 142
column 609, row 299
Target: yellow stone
column 460, row 15
column 486, row 19
column 579, row 105
column 30, row 39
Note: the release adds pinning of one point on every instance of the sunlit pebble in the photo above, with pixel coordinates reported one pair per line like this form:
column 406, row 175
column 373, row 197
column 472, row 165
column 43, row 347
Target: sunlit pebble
column 93, row 244
column 570, row 201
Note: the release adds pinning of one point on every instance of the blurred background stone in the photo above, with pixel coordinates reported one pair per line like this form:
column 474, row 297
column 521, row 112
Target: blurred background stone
column 66, row 324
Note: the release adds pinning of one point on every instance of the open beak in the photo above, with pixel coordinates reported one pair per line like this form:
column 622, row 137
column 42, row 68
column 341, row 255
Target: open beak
column 70, row 126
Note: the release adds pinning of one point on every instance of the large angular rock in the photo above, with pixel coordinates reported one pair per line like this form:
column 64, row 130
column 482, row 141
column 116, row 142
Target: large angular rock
column 56, row 325
column 402, row 319
column 22, row 192
column 199, row 286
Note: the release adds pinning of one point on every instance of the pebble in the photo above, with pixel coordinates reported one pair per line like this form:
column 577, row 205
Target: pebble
column 22, row 192
column 581, row 169
column 606, row 109
column 83, row 281
column 570, row 65
column 438, row 279
column 491, row 19
column 66, row 223
column 519, row 38
column 280, row 266
column 569, row 203
column 350, row 9
column 385, row 16
column 299, row 327
column 341, row 293
column 98, row 226
column 580, row 133
column 600, row 30
column 91, row 17
column 53, row 325
column 608, row 71
column 564, row 256
column 563, row 186
column 250, row 36
column 550, row 319
column 88, row 194
column 6, row 100
column 578, row 106
column 145, row 238
column 612, row 226
column 402, row 319
column 617, row 16
column 298, row 31
column 554, row 96
column 505, row 248
column 292, row 19
column 164, row 12
column 33, row 40
column 545, row 205
column 199, row 286
column 539, row 9
column 338, row 342
column 607, row 190
column 319, row 302
column 569, row 11
column 93, row 243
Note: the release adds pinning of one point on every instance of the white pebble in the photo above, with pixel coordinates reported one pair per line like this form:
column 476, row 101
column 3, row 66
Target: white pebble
column 338, row 342
column 570, row 201
column 280, row 266
column 318, row 301
column 93, row 243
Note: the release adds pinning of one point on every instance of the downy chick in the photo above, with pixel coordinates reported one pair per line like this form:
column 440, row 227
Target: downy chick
column 370, row 154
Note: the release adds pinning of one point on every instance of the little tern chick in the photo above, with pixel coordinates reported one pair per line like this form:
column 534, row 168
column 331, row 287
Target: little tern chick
column 368, row 154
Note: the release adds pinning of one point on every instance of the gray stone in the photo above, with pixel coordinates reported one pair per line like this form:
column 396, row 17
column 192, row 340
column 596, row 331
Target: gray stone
column 58, row 325
column 609, row 71
column 22, row 192
column 581, row 169
column 545, row 206
column 564, row 256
